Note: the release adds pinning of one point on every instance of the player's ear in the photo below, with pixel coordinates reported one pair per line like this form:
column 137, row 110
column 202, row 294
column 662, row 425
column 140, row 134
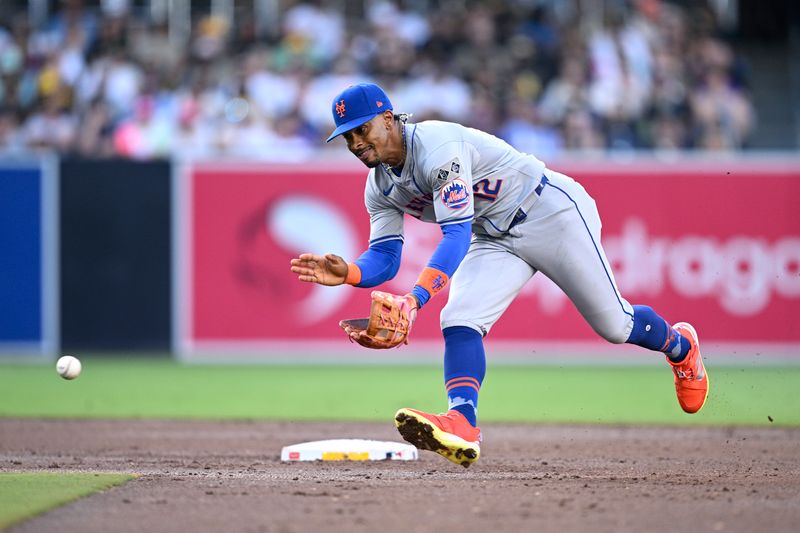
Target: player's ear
column 388, row 119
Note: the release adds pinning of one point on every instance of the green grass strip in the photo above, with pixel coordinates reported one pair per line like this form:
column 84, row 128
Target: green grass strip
column 26, row 495
column 136, row 388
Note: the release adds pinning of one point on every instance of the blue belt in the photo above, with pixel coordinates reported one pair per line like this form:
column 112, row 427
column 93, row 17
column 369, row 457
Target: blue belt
column 521, row 215
column 538, row 190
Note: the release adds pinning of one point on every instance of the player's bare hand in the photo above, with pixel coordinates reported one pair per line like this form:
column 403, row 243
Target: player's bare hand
column 323, row 269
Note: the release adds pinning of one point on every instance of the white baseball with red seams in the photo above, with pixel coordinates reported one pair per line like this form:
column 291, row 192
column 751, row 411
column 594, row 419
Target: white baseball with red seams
column 68, row 367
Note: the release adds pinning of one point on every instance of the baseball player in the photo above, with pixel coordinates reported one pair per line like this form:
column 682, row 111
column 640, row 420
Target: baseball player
column 503, row 216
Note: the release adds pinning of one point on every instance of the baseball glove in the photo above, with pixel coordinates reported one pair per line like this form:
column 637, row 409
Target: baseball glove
column 389, row 322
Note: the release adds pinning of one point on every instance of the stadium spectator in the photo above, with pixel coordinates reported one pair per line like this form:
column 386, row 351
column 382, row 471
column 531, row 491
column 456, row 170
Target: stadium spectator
column 110, row 80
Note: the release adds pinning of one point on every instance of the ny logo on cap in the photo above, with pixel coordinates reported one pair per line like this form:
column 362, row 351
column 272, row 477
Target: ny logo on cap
column 340, row 108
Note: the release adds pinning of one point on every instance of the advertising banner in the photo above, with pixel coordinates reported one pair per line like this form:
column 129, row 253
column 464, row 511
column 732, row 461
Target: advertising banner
column 716, row 244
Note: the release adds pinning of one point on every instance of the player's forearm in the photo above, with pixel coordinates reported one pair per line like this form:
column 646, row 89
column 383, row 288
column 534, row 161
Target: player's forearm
column 444, row 261
column 377, row 264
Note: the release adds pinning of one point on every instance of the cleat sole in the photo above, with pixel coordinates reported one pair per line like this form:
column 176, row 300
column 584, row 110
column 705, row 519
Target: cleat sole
column 426, row 436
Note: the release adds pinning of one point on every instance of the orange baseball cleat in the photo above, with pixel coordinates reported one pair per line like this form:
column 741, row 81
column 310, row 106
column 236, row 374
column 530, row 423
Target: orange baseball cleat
column 450, row 435
column 691, row 380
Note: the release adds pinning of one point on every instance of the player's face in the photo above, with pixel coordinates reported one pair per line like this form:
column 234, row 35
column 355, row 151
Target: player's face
column 370, row 141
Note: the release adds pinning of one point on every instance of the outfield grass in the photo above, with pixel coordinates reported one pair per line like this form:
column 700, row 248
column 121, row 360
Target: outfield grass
column 136, row 388
column 28, row 494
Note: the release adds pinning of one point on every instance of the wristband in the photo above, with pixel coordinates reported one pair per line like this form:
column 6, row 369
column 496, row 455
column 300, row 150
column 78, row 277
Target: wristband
column 353, row 274
column 432, row 280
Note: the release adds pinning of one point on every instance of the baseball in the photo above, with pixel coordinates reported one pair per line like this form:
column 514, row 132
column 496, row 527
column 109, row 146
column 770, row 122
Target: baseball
column 68, row 367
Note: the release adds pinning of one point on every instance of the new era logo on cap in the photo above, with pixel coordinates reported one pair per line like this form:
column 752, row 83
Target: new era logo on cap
column 356, row 105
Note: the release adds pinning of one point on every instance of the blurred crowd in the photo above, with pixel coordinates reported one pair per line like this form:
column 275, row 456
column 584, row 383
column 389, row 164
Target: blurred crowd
column 547, row 76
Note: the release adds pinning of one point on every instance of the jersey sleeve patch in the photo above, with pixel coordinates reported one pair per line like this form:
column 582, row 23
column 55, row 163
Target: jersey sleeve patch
column 455, row 194
column 446, row 172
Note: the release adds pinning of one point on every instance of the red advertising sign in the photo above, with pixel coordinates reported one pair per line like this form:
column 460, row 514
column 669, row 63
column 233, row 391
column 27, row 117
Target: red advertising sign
column 717, row 245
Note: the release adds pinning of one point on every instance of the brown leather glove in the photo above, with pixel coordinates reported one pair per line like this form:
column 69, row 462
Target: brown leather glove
column 389, row 322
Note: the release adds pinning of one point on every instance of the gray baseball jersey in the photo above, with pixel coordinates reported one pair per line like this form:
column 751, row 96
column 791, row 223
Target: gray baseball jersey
column 526, row 218
column 452, row 174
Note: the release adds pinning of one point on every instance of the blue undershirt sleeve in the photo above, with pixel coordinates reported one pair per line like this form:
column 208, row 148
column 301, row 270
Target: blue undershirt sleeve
column 379, row 262
column 448, row 254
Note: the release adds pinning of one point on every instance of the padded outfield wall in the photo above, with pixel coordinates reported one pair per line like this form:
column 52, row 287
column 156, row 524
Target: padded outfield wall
column 85, row 251
column 121, row 256
column 714, row 241
column 115, row 273
column 28, row 257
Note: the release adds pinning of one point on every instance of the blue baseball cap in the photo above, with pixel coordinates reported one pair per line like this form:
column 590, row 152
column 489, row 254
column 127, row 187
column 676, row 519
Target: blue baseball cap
column 356, row 105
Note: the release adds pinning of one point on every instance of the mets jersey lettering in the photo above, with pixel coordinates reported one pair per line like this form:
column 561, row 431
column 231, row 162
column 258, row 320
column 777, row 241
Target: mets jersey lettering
column 419, row 203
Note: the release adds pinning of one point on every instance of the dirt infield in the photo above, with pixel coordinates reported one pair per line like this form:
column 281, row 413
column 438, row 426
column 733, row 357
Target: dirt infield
column 227, row 476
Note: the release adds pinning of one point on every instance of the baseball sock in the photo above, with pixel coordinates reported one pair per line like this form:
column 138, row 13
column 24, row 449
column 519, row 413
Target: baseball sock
column 653, row 332
column 464, row 369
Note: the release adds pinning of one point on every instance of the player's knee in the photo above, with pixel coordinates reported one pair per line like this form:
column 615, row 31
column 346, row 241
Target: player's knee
column 613, row 333
column 450, row 318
